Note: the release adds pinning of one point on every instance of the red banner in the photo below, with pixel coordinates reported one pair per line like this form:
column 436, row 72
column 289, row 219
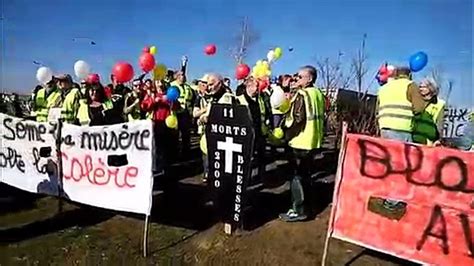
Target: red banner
column 411, row 201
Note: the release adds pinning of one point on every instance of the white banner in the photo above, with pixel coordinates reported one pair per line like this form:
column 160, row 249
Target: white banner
column 109, row 166
column 28, row 155
column 455, row 119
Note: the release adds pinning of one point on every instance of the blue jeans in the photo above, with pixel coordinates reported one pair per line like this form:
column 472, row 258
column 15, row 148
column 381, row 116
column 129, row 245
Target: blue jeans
column 396, row 135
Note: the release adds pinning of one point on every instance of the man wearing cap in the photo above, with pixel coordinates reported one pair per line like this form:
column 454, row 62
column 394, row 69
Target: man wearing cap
column 46, row 98
column 70, row 99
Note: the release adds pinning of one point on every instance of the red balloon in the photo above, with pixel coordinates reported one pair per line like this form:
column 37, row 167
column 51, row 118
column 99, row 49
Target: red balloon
column 146, row 62
column 383, row 69
column 242, row 71
column 146, row 49
column 93, row 78
column 123, row 72
column 210, row 49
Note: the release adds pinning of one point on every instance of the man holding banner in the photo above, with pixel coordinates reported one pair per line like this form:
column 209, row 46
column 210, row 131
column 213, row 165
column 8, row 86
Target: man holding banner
column 303, row 130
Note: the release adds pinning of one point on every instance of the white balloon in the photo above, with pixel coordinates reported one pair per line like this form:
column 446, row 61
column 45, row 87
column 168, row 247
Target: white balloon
column 278, row 97
column 270, row 56
column 44, row 75
column 81, row 69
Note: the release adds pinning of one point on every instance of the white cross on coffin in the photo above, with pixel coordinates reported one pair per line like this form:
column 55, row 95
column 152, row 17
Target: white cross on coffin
column 229, row 147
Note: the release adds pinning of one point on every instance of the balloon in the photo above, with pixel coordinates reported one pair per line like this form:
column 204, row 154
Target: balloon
column 263, row 84
column 146, row 49
column 290, row 49
column 278, row 133
column 270, row 56
column 146, row 62
column 81, row 69
column 210, row 49
column 93, row 78
column 278, row 52
column 123, row 72
column 242, row 71
column 171, row 121
column 44, row 75
column 418, row 61
column 172, row 94
column 159, row 72
column 277, row 98
column 153, row 50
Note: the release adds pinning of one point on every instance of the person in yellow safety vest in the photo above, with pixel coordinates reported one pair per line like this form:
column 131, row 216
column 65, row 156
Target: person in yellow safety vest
column 46, row 98
column 70, row 99
column 200, row 102
column 398, row 101
column 217, row 94
column 185, row 100
column 303, row 129
column 428, row 125
column 132, row 102
column 94, row 106
column 259, row 111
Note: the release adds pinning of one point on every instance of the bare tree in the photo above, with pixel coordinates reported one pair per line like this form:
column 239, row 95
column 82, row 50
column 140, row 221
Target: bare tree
column 332, row 74
column 359, row 68
column 246, row 37
column 437, row 74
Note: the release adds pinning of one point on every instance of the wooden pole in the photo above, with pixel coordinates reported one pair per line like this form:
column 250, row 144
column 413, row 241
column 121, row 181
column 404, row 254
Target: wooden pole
column 145, row 237
column 336, row 192
column 60, row 165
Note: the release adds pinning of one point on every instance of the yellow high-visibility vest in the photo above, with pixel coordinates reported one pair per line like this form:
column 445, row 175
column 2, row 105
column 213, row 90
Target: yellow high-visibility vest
column 425, row 125
column 43, row 103
column 261, row 105
column 312, row 135
column 185, row 96
column 395, row 111
column 70, row 106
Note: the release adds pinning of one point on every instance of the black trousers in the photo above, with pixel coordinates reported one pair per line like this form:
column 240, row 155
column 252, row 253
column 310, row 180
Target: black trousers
column 162, row 146
column 184, row 127
column 301, row 162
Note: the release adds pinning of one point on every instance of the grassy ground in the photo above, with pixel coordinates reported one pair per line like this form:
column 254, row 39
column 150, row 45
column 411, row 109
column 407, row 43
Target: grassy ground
column 182, row 231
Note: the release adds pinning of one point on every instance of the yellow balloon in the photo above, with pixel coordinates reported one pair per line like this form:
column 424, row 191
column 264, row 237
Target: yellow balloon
column 153, row 50
column 285, row 106
column 171, row 121
column 278, row 52
column 278, row 133
column 159, row 72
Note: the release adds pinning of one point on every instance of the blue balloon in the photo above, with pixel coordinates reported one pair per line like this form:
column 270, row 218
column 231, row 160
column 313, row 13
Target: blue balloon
column 418, row 61
column 172, row 94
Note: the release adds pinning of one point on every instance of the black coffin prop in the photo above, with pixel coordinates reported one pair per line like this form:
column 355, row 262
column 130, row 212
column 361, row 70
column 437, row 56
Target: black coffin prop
column 230, row 137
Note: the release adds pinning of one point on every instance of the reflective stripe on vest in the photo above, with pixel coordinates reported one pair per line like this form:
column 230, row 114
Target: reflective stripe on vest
column 226, row 98
column 395, row 111
column 261, row 106
column 312, row 135
column 83, row 113
column 425, row 128
column 69, row 112
column 185, row 95
column 43, row 103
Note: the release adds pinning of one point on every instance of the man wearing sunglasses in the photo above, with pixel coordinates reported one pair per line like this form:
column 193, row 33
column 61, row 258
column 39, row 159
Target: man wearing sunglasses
column 303, row 129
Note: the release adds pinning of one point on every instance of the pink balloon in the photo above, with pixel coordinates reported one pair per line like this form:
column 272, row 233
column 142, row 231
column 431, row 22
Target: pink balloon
column 210, row 49
column 146, row 49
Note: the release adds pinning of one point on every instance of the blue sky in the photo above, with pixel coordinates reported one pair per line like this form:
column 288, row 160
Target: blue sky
column 43, row 31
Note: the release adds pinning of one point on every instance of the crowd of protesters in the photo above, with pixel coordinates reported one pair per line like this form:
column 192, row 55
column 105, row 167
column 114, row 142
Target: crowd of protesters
column 407, row 111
